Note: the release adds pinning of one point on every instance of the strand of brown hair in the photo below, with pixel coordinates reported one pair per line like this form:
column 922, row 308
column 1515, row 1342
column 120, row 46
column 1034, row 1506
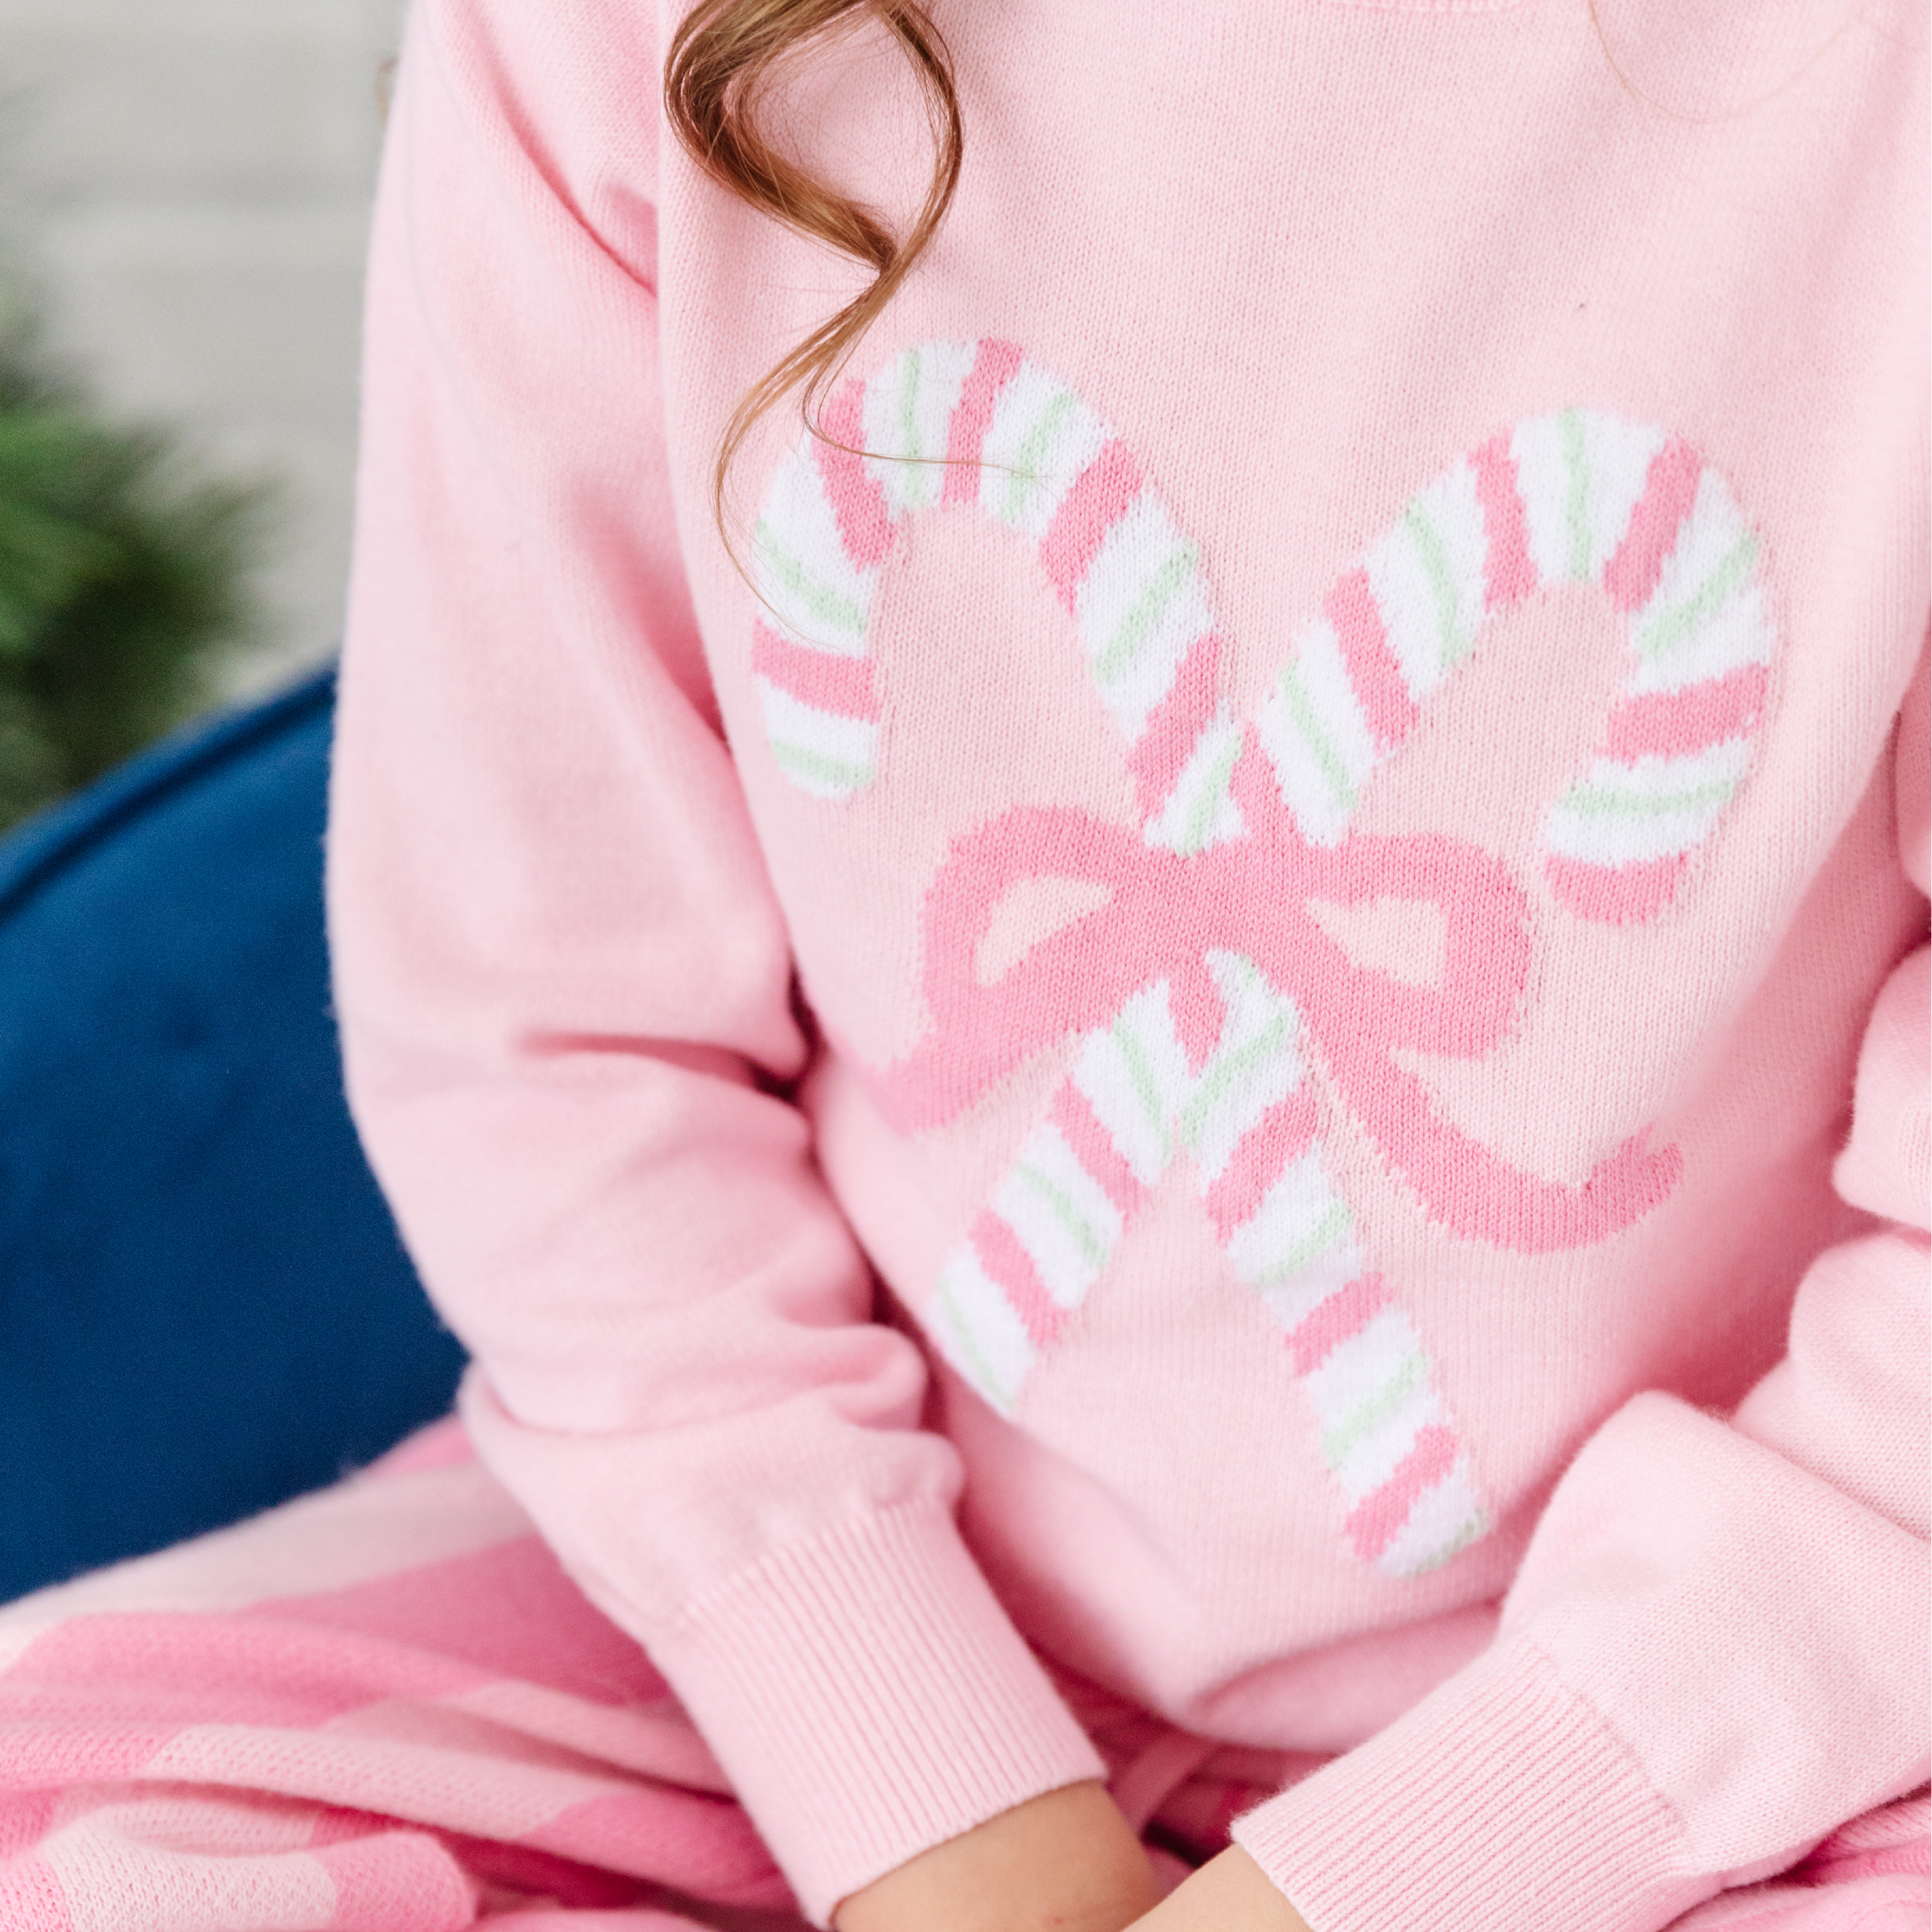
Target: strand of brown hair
column 722, row 60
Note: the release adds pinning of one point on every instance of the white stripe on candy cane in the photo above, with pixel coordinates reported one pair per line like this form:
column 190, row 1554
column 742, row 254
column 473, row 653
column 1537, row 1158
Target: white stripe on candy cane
column 1041, row 438
column 1735, row 634
column 799, row 565
column 1442, row 1522
column 1654, row 808
column 978, row 1330
column 1372, row 1394
column 1312, row 726
column 1061, row 1215
column 821, row 752
column 1198, row 812
column 1299, row 1245
column 1140, row 609
column 1133, row 1074
column 1710, row 569
column 1255, row 1065
column 1426, row 574
column 1580, row 475
column 906, row 418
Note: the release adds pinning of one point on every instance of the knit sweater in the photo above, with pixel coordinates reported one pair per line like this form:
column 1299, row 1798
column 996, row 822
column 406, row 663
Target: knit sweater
column 1225, row 994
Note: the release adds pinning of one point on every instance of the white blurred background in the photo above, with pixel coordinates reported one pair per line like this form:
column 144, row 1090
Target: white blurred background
column 188, row 182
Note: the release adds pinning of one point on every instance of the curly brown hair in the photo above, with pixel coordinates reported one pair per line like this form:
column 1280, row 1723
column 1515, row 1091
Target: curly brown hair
column 721, row 61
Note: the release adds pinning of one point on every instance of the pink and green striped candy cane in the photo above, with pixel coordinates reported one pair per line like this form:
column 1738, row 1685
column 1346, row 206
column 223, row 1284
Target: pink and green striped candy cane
column 1572, row 498
column 951, row 423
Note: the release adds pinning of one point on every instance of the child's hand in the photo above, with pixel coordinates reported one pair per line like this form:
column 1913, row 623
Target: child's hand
column 1063, row 1862
column 1228, row 1894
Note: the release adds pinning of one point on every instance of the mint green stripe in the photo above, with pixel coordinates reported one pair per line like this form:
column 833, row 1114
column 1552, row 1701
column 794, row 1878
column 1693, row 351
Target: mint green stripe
column 970, row 1348
column 1577, row 461
column 1027, row 462
column 1441, row 575
column 1093, row 1248
column 1125, row 644
column 1326, row 1237
column 820, row 599
column 1301, row 708
column 913, row 450
column 1146, row 1089
column 801, row 763
column 1227, row 1067
column 1207, row 800
column 1670, row 627
column 909, row 409
column 1596, row 802
column 1336, row 1442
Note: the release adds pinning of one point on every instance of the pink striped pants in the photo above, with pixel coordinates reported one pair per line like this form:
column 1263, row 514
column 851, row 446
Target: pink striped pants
column 384, row 1708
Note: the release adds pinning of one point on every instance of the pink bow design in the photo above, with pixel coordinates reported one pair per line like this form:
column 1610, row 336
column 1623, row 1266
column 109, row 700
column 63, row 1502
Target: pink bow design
column 1165, row 913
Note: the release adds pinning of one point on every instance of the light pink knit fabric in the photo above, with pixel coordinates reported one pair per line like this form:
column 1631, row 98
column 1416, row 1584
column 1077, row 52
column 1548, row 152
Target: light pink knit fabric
column 1200, row 1029
column 384, row 1709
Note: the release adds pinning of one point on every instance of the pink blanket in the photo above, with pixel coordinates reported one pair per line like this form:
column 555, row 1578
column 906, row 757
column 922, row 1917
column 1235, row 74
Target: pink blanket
column 384, row 1708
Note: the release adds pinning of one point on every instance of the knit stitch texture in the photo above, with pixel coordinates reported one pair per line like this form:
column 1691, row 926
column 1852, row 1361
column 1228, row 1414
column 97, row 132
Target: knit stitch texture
column 1194, row 1035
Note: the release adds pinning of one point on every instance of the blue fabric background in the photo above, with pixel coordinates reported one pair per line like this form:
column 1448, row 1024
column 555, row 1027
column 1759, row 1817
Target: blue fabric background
column 204, row 1305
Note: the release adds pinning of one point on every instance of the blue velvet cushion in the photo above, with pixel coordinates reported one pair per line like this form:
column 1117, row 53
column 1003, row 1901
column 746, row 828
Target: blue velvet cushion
column 204, row 1307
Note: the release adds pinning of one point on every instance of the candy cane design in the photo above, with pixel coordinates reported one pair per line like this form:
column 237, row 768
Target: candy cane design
column 1575, row 498
column 1187, row 1041
column 949, row 424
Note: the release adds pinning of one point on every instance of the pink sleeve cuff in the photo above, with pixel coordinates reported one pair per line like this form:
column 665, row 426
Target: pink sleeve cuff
column 1501, row 1803
column 869, row 1699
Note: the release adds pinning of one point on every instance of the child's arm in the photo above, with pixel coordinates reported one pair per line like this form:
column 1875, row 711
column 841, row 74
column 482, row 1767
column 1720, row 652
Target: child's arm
column 1714, row 1651
column 564, row 988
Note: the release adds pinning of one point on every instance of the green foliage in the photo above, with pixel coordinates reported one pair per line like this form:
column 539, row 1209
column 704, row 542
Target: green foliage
column 123, row 585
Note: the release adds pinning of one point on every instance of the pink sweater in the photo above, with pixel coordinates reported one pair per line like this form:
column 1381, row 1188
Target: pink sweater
column 1214, row 1038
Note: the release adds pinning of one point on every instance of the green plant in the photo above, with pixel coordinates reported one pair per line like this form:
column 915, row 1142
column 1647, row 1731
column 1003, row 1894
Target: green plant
column 123, row 583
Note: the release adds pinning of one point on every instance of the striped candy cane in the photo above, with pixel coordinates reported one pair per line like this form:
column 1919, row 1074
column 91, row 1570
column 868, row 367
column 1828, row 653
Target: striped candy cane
column 948, row 423
column 1574, row 497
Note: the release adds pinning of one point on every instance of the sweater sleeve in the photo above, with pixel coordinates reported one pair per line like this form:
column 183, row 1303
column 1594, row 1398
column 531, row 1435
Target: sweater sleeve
column 564, row 989
column 1715, row 1649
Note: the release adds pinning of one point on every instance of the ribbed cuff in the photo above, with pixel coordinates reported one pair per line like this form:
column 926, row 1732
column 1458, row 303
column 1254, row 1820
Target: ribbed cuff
column 868, row 1698
column 1501, row 1803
